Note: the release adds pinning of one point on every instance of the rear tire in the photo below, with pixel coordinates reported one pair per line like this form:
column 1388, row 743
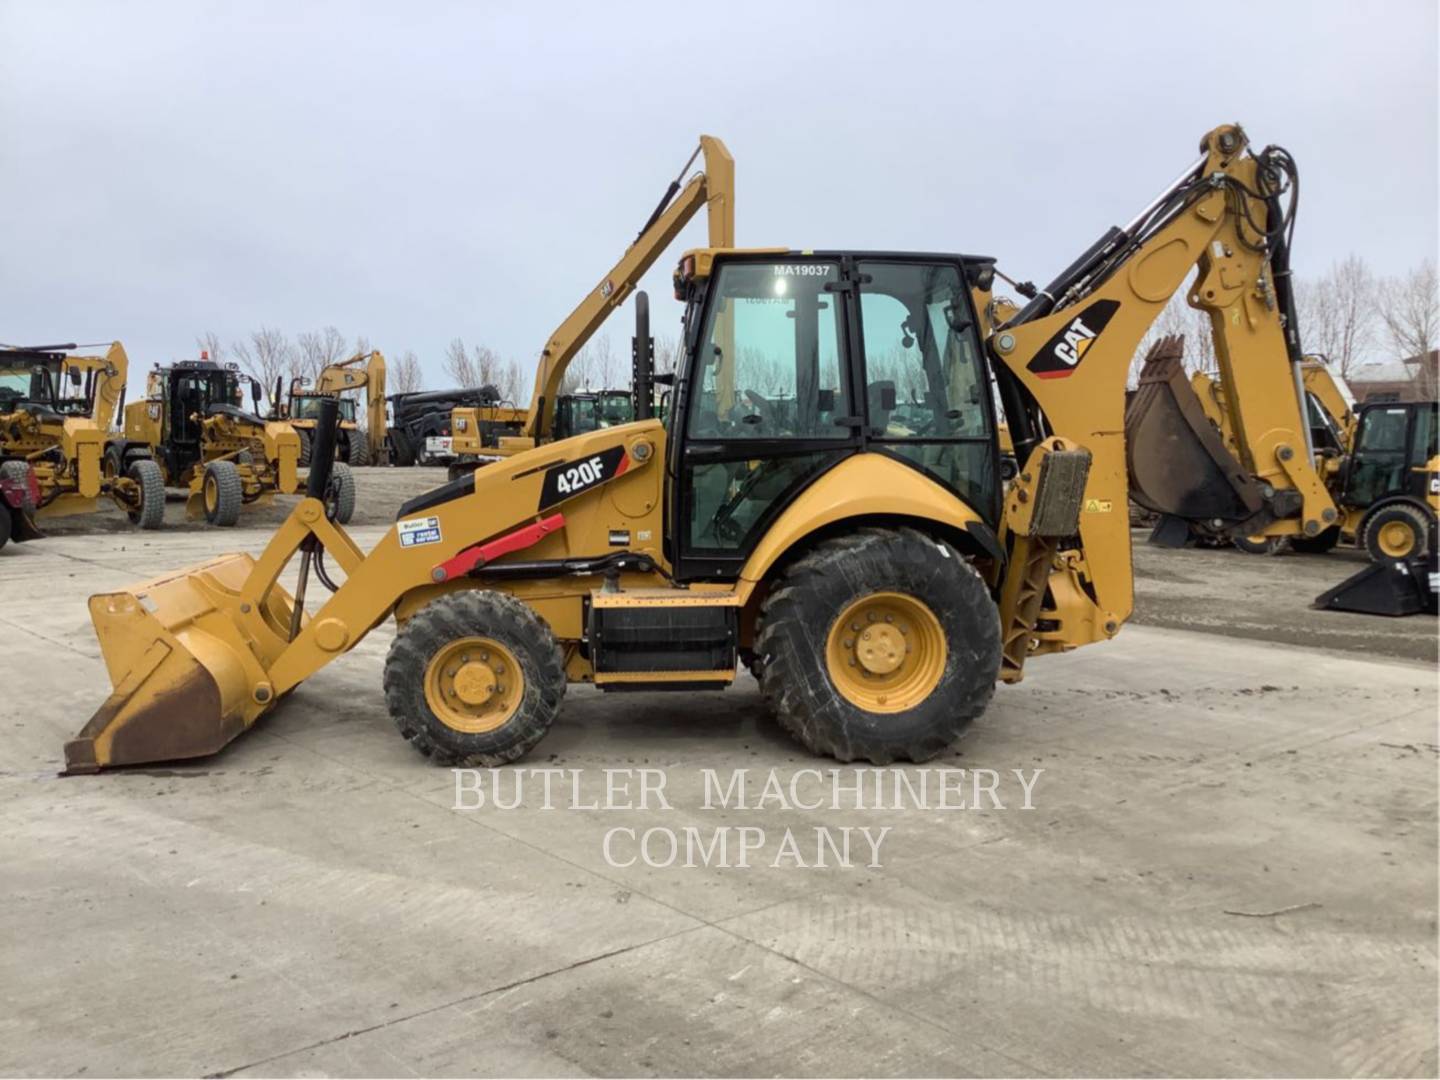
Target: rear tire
column 113, row 464
column 401, row 450
column 359, row 448
column 150, row 514
column 449, row 679
column 1397, row 531
column 223, row 493
column 340, row 498
column 304, row 458
column 906, row 694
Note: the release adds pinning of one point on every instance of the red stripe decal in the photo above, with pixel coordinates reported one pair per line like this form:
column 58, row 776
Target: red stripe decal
column 480, row 554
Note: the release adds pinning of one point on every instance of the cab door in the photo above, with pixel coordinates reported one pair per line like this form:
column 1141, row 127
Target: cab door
column 766, row 407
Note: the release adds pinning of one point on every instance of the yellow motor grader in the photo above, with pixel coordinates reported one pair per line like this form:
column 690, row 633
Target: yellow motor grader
column 55, row 414
column 878, row 576
column 363, row 371
column 192, row 426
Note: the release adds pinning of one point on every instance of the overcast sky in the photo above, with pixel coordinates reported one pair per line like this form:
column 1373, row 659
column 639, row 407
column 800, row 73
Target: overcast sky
column 418, row 171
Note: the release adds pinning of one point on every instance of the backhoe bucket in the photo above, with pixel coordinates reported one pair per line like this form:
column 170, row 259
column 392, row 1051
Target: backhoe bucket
column 1178, row 462
column 187, row 678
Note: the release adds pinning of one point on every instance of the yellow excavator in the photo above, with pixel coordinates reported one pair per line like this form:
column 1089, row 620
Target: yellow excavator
column 876, row 574
column 363, row 371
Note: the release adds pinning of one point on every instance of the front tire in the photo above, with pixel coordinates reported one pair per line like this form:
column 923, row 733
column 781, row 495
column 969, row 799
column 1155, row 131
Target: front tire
column 1397, row 531
column 341, row 496
column 146, row 475
column 1260, row 545
column 304, row 458
column 881, row 645
column 359, row 448
column 474, row 679
column 223, row 493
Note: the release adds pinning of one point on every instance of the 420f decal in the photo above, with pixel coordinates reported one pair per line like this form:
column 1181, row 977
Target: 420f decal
column 1062, row 354
column 572, row 477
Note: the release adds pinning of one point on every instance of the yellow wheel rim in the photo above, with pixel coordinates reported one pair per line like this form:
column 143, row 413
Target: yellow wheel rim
column 474, row 685
column 886, row 652
column 212, row 493
column 1397, row 539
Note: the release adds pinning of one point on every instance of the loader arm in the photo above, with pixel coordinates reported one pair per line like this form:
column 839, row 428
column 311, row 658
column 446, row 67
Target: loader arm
column 714, row 189
column 1069, row 351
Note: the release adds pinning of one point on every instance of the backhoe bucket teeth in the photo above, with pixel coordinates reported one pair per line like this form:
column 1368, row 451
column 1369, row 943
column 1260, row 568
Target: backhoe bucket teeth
column 1177, row 461
column 187, row 675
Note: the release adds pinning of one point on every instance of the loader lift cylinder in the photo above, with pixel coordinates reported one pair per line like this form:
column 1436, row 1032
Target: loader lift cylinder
column 322, row 461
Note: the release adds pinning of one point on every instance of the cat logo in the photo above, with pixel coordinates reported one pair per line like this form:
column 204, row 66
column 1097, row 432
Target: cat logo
column 1061, row 355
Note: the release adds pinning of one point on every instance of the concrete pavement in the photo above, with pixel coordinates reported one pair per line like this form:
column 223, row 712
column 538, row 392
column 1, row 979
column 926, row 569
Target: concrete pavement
column 309, row 902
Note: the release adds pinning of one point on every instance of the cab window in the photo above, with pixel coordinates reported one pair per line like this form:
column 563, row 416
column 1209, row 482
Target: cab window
column 769, row 360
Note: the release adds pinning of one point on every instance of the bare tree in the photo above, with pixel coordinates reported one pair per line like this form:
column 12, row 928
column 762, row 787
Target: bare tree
column 472, row 367
column 267, row 355
column 318, row 350
column 580, row 374
column 404, row 375
column 667, row 352
column 513, row 383
column 1411, row 310
column 209, row 343
column 1338, row 313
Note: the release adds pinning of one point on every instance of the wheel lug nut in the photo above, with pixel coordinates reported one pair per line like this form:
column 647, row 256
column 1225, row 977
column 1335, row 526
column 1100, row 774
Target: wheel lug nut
column 852, row 661
column 855, row 626
column 484, row 656
column 889, row 618
column 870, row 616
column 849, row 643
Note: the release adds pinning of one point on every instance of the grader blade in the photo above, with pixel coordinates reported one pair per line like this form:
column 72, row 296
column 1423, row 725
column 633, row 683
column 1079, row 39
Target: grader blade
column 1178, row 463
column 187, row 678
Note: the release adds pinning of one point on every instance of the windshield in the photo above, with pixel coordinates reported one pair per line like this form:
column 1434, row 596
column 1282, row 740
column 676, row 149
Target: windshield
column 19, row 379
column 307, row 407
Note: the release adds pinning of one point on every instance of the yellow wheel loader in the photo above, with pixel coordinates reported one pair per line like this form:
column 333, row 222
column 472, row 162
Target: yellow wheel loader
column 192, row 429
column 356, row 446
column 55, row 416
column 876, row 574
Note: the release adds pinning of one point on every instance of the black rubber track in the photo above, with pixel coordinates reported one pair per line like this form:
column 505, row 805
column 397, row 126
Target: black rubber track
column 478, row 612
column 796, row 617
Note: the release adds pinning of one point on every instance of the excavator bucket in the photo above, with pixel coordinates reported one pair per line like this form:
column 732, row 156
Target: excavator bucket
column 1178, row 462
column 183, row 669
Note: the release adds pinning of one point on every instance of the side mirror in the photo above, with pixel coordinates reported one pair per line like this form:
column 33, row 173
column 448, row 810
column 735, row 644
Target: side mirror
column 255, row 394
column 826, row 402
column 75, row 377
column 887, row 398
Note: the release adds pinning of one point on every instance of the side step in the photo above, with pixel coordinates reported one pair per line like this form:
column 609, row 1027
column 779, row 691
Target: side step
column 662, row 639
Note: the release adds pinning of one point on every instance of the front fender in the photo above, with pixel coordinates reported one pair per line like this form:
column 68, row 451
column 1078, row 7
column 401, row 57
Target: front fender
column 866, row 485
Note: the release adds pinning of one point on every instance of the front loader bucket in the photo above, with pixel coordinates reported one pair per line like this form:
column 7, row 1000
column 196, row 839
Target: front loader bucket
column 1177, row 460
column 187, row 677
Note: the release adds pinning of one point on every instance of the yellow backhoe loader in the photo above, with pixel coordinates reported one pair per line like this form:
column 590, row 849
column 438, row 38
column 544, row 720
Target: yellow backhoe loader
column 55, row 415
column 876, row 575
column 192, row 428
column 363, row 371
column 1377, row 462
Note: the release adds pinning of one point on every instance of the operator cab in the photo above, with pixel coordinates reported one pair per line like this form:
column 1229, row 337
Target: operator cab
column 192, row 391
column 793, row 362
column 307, row 406
column 30, row 378
column 1393, row 444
